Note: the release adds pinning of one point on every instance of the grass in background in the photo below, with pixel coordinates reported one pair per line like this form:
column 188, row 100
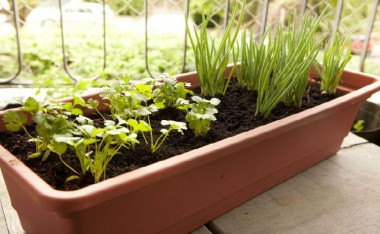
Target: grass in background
column 42, row 56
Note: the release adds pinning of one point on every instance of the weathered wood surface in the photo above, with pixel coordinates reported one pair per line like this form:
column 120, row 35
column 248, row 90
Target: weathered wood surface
column 202, row 230
column 10, row 219
column 338, row 195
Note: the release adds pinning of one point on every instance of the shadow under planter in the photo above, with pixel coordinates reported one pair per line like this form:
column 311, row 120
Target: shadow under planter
column 369, row 113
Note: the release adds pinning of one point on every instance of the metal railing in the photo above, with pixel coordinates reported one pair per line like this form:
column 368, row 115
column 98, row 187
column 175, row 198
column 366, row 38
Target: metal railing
column 260, row 14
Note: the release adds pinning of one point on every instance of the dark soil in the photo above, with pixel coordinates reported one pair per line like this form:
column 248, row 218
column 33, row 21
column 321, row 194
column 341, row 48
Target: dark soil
column 236, row 115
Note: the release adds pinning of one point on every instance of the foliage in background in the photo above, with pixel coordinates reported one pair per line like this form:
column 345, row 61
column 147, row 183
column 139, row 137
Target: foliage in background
column 42, row 58
column 201, row 8
column 24, row 8
column 133, row 8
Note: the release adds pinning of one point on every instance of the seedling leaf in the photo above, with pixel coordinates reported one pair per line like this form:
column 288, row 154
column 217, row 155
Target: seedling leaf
column 31, row 105
column 14, row 120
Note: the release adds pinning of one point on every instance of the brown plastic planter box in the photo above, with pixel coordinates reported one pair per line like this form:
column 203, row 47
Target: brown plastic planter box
column 180, row 194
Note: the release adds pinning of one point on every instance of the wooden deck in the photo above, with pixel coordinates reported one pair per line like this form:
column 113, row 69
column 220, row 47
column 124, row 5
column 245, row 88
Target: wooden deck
column 338, row 195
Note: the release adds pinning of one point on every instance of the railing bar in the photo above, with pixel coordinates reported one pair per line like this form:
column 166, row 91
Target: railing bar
column 368, row 35
column 64, row 54
column 264, row 18
column 65, row 66
column 30, row 83
column 104, row 36
column 185, row 38
column 303, row 7
column 226, row 18
column 226, row 13
column 146, row 39
column 18, row 40
column 338, row 16
column 146, row 6
column 22, row 83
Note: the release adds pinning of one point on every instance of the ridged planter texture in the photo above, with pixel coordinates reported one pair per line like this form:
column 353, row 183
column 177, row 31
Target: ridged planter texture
column 179, row 194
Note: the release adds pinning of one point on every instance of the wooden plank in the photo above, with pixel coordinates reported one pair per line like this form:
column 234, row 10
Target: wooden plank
column 352, row 140
column 201, row 230
column 12, row 222
column 338, row 195
column 3, row 223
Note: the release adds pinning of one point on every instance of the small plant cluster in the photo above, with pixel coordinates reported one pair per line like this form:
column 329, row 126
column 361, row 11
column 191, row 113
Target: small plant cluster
column 280, row 66
column 335, row 59
column 277, row 67
column 62, row 126
column 211, row 59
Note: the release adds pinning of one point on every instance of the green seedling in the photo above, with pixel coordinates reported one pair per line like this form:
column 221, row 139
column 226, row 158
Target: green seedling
column 294, row 53
column 73, row 108
column 96, row 147
column 155, row 144
column 94, row 105
column 211, row 59
column 335, row 58
column 167, row 90
column 129, row 101
column 48, row 122
column 199, row 114
column 258, row 60
column 14, row 121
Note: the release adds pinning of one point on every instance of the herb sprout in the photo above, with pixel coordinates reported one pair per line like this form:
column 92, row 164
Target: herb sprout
column 335, row 58
column 112, row 138
column 128, row 100
column 104, row 143
column 73, row 108
column 138, row 126
column 301, row 52
column 155, row 144
column 211, row 60
column 94, row 105
column 199, row 114
column 168, row 90
column 50, row 120
column 257, row 60
column 265, row 58
column 141, row 126
column 14, row 121
column 294, row 53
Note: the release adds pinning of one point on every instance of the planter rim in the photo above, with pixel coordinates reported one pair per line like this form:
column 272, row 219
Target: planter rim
column 114, row 187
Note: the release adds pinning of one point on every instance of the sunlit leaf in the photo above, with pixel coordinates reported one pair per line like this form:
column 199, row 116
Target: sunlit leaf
column 31, row 104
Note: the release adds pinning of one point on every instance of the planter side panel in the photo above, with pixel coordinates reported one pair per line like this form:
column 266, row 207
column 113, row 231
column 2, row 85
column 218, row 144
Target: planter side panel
column 33, row 218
